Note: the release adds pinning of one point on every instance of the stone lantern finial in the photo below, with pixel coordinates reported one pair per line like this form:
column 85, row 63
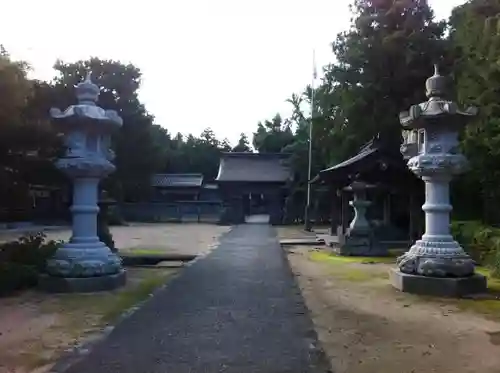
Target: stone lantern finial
column 87, row 92
column 436, row 85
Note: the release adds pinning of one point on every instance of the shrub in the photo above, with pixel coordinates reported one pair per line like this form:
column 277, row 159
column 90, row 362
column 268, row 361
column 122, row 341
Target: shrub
column 495, row 265
column 481, row 242
column 15, row 276
column 31, row 250
column 22, row 260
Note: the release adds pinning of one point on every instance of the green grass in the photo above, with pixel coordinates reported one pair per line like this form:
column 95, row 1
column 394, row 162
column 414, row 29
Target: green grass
column 493, row 283
column 348, row 269
column 320, row 256
column 344, row 267
column 107, row 306
column 487, row 307
column 139, row 252
column 128, row 298
column 358, row 275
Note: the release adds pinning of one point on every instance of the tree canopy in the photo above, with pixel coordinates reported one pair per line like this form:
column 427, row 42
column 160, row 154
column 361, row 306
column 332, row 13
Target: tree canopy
column 378, row 69
column 243, row 145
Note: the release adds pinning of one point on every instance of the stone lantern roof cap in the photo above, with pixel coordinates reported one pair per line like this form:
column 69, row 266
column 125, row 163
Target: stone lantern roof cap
column 359, row 185
column 87, row 94
column 438, row 110
column 436, row 85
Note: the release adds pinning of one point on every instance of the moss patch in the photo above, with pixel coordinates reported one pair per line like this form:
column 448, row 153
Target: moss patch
column 105, row 307
column 140, row 252
column 357, row 275
column 356, row 270
column 493, row 283
column 486, row 307
column 131, row 297
column 352, row 269
column 321, row 256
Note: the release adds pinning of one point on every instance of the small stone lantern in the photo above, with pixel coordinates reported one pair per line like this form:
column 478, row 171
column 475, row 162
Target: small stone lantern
column 359, row 239
column 85, row 264
column 436, row 264
column 359, row 225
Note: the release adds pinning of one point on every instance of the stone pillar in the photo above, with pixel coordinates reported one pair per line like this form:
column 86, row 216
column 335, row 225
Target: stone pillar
column 85, row 264
column 85, row 210
column 360, row 205
column 436, row 264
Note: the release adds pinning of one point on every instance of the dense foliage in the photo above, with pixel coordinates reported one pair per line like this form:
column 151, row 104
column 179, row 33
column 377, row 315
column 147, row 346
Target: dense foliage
column 21, row 261
column 28, row 144
column 381, row 65
column 475, row 39
column 379, row 68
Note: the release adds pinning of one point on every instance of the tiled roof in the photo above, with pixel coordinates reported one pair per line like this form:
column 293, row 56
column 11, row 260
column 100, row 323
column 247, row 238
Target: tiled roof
column 376, row 150
column 255, row 167
column 177, row 180
column 358, row 157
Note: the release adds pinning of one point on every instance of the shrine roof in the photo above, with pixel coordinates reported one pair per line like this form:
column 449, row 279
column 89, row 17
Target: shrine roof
column 358, row 157
column 376, row 154
column 255, row 168
column 177, row 180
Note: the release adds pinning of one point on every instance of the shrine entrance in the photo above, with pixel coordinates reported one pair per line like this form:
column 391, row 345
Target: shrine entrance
column 256, row 208
column 253, row 186
column 255, row 204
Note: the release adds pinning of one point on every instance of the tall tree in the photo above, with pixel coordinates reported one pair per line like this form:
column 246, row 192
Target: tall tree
column 243, row 145
column 382, row 62
column 272, row 135
column 137, row 154
column 27, row 143
column 475, row 38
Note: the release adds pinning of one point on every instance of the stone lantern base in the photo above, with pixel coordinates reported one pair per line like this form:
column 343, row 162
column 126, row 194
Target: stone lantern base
column 82, row 284
column 438, row 286
column 83, row 267
column 360, row 243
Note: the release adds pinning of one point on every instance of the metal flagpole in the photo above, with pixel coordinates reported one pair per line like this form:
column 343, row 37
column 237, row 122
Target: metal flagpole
column 307, row 223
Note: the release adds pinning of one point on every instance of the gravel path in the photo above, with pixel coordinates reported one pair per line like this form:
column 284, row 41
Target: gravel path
column 236, row 310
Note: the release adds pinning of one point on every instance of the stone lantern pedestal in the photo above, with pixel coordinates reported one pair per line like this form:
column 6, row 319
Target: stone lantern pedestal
column 436, row 264
column 85, row 264
column 359, row 239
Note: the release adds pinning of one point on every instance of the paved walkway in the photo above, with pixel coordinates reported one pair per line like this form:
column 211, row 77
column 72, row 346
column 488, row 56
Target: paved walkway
column 236, row 311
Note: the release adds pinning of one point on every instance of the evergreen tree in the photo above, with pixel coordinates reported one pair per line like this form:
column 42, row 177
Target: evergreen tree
column 243, row 145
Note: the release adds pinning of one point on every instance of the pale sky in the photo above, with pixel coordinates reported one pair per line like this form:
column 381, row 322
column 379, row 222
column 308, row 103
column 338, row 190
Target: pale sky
column 223, row 64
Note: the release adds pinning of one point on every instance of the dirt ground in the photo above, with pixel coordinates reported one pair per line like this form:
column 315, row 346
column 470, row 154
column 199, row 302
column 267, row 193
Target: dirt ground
column 366, row 326
column 185, row 238
column 36, row 328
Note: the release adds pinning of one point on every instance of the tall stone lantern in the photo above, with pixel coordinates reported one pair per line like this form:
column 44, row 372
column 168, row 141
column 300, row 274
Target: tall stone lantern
column 85, row 264
column 436, row 264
